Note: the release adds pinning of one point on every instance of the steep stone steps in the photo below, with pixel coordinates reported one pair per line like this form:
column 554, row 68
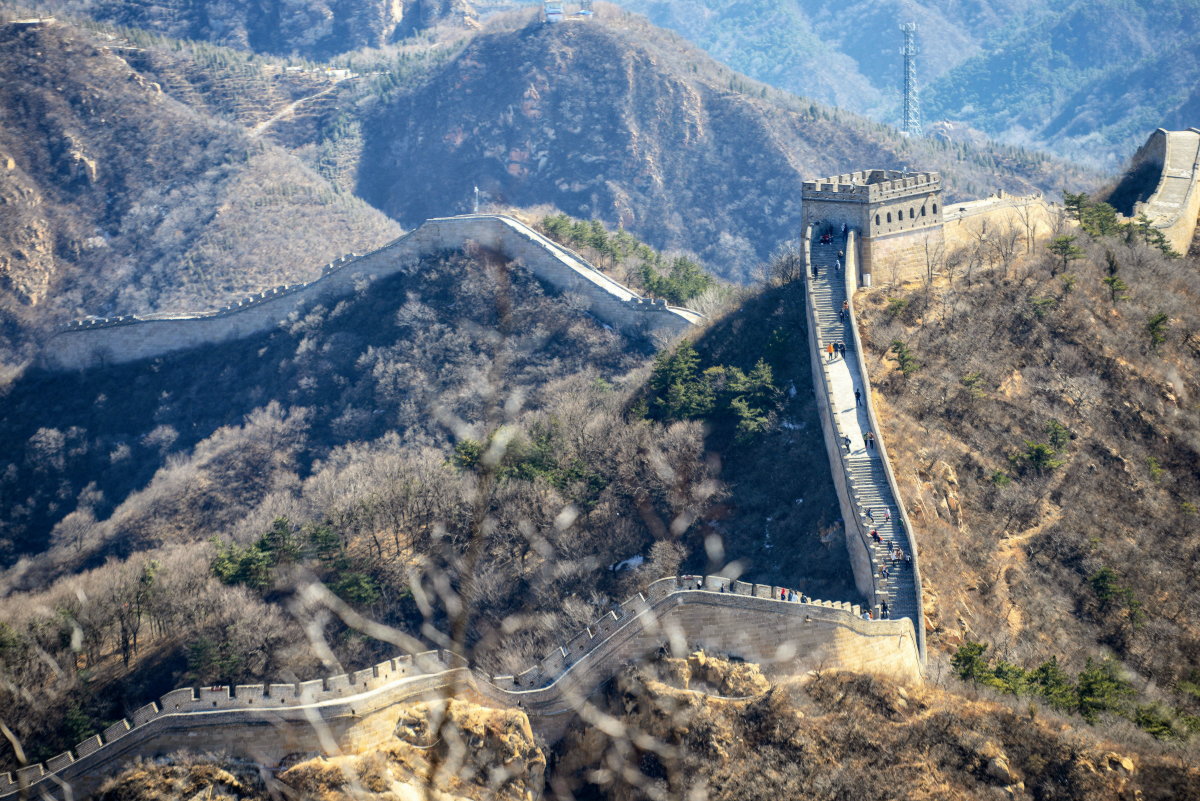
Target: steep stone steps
column 867, row 481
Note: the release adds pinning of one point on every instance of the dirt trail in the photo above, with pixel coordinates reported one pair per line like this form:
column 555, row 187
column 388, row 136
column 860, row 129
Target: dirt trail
column 1010, row 555
column 288, row 110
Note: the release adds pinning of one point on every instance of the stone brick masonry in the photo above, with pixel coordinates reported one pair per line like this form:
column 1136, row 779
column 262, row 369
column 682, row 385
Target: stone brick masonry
column 85, row 343
column 356, row 712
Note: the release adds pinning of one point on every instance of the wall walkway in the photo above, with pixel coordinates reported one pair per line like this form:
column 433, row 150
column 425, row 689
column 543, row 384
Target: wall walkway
column 1175, row 204
column 867, row 489
column 92, row 341
column 358, row 711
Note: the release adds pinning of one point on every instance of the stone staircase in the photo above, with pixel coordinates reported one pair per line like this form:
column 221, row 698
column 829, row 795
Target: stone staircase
column 872, row 497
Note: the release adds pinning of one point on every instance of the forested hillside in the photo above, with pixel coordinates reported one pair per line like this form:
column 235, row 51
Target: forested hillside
column 1043, row 421
column 311, row 28
column 617, row 120
column 1082, row 79
column 120, row 199
column 607, row 120
column 450, row 435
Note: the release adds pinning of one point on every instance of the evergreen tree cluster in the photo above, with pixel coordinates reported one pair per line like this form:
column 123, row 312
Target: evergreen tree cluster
column 678, row 279
column 1098, row 689
column 1101, row 220
column 256, row 565
column 680, row 390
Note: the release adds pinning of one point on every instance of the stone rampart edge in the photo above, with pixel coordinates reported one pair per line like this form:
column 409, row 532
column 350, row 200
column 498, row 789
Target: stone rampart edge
column 851, row 277
column 567, row 684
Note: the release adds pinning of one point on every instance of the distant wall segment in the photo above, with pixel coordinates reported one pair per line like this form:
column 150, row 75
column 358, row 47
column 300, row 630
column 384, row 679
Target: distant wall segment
column 1174, row 206
column 358, row 711
column 85, row 343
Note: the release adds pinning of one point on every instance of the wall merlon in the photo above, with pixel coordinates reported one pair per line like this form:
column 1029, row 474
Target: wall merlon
column 177, row 700
column 88, row 746
column 116, row 731
column 282, row 693
column 30, row 773
column 249, row 694
column 145, row 714
column 310, row 691
column 57, row 763
column 214, row 697
column 428, row 662
column 337, row 685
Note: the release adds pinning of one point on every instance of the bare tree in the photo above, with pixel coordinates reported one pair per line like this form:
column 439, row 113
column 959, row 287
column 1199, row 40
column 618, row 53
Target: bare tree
column 1027, row 214
column 1004, row 243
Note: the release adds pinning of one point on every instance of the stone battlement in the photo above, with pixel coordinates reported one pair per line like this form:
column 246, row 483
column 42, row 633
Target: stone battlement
column 897, row 215
column 358, row 710
column 114, row 340
column 871, row 186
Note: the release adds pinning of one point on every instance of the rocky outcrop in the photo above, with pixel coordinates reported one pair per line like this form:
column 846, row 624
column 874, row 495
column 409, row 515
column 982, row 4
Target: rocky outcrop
column 457, row 749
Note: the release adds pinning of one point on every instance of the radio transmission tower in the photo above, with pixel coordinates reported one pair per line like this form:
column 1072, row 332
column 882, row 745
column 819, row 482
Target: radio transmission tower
column 912, row 100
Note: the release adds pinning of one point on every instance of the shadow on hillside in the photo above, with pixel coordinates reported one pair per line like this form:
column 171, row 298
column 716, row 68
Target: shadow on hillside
column 781, row 519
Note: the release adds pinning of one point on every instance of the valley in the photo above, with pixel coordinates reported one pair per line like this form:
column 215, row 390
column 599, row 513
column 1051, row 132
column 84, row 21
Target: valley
column 455, row 404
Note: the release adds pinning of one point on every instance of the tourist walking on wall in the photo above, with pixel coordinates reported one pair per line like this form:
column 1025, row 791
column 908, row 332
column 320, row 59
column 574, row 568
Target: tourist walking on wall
column 870, row 440
column 846, row 442
column 871, row 514
column 883, row 611
column 830, row 350
column 857, row 397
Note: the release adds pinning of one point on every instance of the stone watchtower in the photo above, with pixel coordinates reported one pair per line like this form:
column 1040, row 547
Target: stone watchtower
column 897, row 215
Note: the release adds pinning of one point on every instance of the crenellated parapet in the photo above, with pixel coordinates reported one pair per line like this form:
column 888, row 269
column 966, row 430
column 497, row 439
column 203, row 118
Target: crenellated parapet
column 897, row 215
column 357, row 711
column 113, row 340
column 872, row 186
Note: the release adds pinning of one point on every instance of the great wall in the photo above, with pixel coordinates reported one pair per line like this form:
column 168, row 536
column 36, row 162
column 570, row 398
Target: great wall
column 358, row 711
column 93, row 341
column 1172, row 158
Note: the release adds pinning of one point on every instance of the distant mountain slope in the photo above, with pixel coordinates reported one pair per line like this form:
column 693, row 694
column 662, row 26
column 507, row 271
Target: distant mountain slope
column 1081, row 78
column 312, row 28
column 616, row 119
column 119, row 199
column 1087, row 79
column 845, row 54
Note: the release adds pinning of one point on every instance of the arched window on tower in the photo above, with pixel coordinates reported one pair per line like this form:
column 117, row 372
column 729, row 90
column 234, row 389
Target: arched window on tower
column 889, row 216
column 935, row 208
column 877, row 219
column 922, row 211
column 912, row 215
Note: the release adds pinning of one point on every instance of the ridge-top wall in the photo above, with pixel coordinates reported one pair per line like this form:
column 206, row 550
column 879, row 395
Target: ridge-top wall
column 358, row 711
column 87, row 343
column 1175, row 204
